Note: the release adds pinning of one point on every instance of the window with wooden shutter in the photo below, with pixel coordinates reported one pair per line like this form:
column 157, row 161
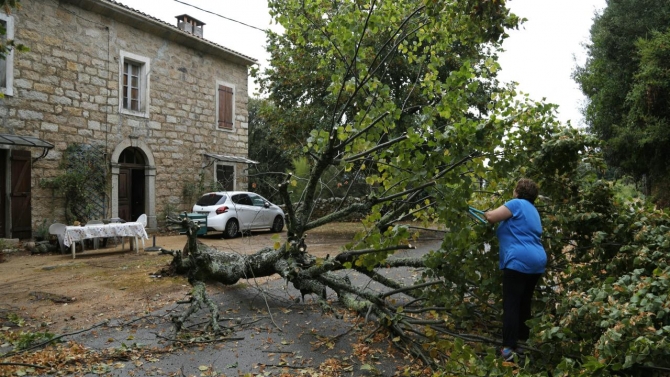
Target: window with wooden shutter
column 225, row 113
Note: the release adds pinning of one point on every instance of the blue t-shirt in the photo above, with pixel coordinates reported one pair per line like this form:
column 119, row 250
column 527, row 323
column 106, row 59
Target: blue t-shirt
column 519, row 236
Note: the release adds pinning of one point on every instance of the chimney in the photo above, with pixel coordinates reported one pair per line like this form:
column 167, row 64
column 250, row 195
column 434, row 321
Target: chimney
column 190, row 25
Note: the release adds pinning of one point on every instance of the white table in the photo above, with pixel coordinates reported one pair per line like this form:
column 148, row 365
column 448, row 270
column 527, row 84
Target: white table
column 79, row 233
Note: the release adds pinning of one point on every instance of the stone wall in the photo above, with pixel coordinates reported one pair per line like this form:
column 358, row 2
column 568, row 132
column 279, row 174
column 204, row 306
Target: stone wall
column 67, row 91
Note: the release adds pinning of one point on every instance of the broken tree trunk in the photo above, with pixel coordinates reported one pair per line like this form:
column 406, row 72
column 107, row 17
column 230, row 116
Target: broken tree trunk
column 204, row 264
column 404, row 318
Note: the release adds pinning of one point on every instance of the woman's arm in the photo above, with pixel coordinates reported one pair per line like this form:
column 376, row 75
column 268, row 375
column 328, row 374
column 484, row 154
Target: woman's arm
column 499, row 214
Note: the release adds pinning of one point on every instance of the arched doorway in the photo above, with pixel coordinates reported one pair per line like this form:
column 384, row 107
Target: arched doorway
column 131, row 187
column 134, row 178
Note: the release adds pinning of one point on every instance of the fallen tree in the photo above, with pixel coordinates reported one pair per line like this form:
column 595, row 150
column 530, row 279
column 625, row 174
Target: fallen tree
column 399, row 96
column 402, row 96
column 603, row 297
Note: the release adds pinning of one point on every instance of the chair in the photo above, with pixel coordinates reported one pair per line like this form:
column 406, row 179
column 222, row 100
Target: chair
column 116, row 239
column 95, row 240
column 142, row 220
column 58, row 230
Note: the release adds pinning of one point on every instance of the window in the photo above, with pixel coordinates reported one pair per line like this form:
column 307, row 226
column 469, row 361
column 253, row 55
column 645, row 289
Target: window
column 7, row 64
column 257, row 200
column 225, row 106
column 134, row 84
column 131, row 156
column 242, row 199
column 131, row 86
column 225, row 177
column 211, row 200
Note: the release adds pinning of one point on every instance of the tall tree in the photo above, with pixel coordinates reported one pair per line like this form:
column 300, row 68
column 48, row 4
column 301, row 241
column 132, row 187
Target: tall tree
column 265, row 147
column 617, row 80
column 402, row 93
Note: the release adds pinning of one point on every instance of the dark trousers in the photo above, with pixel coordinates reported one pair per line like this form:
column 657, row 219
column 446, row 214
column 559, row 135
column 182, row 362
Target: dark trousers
column 517, row 294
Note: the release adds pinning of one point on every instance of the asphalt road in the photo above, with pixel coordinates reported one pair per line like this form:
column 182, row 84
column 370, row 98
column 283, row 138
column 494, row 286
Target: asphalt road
column 273, row 331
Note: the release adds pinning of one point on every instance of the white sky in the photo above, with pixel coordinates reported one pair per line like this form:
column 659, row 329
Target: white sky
column 540, row 56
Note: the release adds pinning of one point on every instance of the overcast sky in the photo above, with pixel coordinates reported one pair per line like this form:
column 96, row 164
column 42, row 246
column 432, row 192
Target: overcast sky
column 540, row 56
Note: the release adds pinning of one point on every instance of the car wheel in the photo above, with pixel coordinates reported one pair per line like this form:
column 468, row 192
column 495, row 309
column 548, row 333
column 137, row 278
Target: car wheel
column 232, row 229
column 277, row 224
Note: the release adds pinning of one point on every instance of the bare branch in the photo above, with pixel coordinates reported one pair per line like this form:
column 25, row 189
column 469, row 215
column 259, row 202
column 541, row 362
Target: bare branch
column 376, row 148
column 411, row 288
column 349, row 255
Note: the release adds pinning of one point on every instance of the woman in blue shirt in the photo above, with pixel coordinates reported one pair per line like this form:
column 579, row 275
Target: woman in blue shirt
column 522, row 260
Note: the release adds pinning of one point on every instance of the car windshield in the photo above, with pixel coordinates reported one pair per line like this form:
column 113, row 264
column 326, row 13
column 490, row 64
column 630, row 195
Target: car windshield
column 211, row 199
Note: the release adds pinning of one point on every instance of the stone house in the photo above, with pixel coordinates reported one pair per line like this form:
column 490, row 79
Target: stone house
column 166, row 107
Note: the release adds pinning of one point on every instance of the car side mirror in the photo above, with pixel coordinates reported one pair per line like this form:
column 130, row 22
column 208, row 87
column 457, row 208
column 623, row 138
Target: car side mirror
column 266, row 204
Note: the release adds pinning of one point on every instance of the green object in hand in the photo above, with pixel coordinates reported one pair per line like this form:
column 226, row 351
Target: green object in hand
column 477, row 214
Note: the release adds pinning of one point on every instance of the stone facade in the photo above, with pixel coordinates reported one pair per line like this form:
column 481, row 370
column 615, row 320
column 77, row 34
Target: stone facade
column 66, row 90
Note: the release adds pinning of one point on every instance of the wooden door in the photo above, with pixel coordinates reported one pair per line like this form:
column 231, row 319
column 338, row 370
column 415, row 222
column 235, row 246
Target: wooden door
column 137, row 196
column 20, row 195
column 3, row 190
column 125, row 194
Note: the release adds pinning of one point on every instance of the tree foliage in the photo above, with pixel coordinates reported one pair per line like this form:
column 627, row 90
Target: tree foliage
column 625, row 81
column 404, row 94
column 603, row 304
column 265, row 147
column 378, row 89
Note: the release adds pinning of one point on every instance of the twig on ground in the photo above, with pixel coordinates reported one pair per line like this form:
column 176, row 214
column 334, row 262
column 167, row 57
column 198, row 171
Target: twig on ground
column 26, row 365
column 195, row 341
column 41, row 344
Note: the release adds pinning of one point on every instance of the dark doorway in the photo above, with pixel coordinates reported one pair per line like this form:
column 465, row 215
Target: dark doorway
column 137, row 193
column 19, row 195
column 3, row 190
column 131, row 184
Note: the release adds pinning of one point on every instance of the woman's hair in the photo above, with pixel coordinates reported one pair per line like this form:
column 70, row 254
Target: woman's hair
column 526, row 189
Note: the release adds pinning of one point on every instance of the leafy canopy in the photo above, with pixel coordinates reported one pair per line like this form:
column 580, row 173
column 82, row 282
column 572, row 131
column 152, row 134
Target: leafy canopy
column 625, row 81
column 401, row 94
column 405, row 94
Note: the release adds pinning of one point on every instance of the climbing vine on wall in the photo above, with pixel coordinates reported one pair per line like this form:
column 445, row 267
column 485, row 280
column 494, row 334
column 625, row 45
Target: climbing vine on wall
column 82, row 183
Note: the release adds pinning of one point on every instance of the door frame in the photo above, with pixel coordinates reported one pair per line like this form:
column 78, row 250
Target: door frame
column 149, row 179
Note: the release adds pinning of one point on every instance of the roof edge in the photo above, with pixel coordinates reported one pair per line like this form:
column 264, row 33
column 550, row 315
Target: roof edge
column 139, row 20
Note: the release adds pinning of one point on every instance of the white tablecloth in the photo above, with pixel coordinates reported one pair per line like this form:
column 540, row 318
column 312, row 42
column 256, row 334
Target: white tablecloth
column 78, row 233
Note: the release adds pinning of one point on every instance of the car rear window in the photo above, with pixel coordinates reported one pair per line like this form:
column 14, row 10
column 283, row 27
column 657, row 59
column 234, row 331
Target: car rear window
column 211, row 199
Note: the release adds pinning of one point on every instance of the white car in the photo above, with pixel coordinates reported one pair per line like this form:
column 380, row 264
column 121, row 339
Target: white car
column 232, row 212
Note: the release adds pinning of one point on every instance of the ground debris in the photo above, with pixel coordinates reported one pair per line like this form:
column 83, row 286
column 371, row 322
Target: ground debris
column 57, row 299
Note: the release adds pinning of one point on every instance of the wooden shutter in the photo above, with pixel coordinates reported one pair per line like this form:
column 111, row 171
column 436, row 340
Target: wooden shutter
column 124, row 194
column 20, row 194
column 3, row 179
column 225, row 107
